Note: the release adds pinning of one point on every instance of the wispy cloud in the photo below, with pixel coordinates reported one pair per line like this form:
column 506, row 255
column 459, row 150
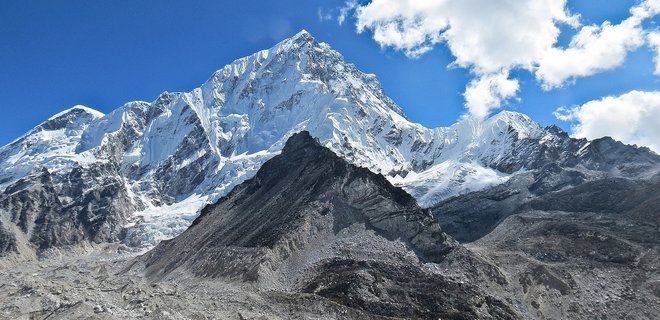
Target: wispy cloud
column 325, row 15
column 344, row 11
column 654, row 42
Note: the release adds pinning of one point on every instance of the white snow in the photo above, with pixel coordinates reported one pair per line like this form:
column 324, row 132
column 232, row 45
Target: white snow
column 155, row 224
column 94, row 113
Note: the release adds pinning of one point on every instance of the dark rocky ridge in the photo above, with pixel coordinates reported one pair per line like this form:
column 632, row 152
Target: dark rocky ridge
column 310, row 223
column 265, row 209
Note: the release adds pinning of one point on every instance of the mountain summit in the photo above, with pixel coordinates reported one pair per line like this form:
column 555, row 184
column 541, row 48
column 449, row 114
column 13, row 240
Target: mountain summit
column 304, row 197
column 142, row 172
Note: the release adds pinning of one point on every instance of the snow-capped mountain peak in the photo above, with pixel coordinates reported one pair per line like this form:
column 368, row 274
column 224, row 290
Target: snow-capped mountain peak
column 521, row 123
column 78, row 109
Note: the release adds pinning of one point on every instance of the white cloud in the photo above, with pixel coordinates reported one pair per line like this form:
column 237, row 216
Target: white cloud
column 654, row 42
column 632, row 118
column 593, row 49
column 487, row 91
column 491, row 38
column 482, row 34
column 646, row 9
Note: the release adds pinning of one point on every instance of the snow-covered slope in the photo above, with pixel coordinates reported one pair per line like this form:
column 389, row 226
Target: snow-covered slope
column 184, row 150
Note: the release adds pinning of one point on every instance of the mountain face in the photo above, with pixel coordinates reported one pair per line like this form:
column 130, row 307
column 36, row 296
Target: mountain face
column 141, row 173
column 311, row 223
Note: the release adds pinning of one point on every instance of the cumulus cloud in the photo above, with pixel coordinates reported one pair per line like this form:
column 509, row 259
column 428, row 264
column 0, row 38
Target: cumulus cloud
column 593, row 49
column 483, row 34
column 491, row 38
column 488, row 90
column 654, row 42
column 632, row 118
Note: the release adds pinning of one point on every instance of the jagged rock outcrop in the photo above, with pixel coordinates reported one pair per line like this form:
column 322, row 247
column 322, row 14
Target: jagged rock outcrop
column 310, row 222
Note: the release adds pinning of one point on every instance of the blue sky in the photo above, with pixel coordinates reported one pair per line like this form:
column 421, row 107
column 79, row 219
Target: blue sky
column 56, row 54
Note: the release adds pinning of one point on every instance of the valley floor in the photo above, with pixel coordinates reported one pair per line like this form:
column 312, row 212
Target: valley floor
column 96, row 286
column 101, row 285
